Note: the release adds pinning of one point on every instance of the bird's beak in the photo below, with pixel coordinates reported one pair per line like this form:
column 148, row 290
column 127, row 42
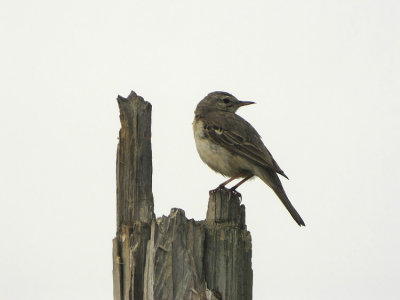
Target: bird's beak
column 243, row 103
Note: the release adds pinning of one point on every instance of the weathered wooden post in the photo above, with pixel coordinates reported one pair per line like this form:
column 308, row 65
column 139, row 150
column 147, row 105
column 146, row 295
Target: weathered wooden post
column 134, row 197
column 172, row 257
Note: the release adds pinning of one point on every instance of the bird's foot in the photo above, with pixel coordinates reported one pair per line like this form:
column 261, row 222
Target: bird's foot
column 219, row 188
column 233, row 191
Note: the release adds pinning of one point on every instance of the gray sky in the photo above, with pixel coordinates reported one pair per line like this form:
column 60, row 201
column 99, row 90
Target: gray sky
column 326, row 79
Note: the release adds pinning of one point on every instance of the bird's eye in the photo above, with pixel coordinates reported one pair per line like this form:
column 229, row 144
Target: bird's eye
column 226, row 100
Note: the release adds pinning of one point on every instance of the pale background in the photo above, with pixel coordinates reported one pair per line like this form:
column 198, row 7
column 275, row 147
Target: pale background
column 325, row 76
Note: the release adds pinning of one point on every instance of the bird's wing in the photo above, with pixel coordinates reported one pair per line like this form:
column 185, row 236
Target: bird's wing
column 237, row 136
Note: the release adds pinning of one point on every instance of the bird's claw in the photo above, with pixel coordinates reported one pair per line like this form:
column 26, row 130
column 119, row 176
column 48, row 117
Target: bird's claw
column 230, row 192
column 236, row 193
column 219, row 188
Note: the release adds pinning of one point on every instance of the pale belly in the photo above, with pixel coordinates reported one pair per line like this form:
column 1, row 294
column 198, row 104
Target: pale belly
column 217, row 157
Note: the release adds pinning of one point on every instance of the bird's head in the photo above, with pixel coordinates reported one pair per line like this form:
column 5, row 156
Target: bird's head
column 220, row 101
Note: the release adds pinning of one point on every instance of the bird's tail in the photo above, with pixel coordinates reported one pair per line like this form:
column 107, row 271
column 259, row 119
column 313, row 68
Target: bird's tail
column 272, row 180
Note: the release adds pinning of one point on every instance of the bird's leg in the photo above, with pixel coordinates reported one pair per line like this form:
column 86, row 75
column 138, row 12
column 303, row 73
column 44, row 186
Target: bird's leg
column 240, row 183
column 233, row 189
column 222, row 185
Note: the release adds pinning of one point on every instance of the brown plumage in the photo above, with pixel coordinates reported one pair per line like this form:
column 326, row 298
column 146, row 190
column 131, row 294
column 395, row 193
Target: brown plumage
column 229, row 145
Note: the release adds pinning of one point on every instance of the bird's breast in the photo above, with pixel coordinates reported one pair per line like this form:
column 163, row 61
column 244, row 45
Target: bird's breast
column 215, row 156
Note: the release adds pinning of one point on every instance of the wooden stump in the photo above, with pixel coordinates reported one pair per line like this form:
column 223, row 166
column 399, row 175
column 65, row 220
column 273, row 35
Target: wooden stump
column 172, row 257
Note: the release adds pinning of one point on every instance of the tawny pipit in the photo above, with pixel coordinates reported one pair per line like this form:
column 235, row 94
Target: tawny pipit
column 229, row 145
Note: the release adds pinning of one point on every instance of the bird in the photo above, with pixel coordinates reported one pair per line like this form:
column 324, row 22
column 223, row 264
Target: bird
column 231, row 146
